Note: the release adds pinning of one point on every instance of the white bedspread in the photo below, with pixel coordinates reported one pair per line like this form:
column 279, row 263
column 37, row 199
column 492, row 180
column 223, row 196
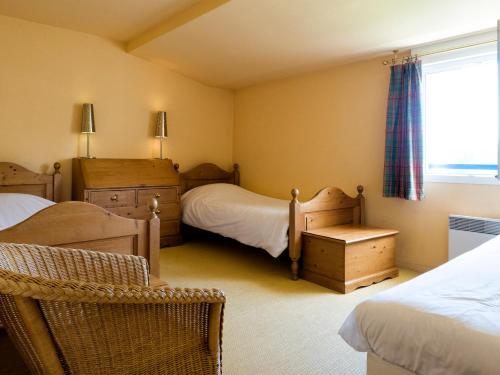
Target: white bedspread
column 446, row 321
column 15, row 208
column 234, row 212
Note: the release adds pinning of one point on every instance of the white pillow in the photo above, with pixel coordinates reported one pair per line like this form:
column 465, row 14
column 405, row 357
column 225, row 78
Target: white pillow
column 15, row 208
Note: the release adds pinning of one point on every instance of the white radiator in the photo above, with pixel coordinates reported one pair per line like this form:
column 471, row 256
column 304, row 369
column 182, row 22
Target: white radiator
column 466, row 233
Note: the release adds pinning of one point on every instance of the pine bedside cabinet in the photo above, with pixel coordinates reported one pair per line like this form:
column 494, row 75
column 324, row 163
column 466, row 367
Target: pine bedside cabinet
column 346, row 257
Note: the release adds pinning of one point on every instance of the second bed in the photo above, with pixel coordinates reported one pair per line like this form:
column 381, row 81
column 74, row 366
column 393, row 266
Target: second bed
column 212, row 200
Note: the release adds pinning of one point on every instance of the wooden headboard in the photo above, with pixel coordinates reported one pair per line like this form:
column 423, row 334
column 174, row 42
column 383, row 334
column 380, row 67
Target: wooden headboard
column 17, row 179
column 208, row 173
column 330, row 206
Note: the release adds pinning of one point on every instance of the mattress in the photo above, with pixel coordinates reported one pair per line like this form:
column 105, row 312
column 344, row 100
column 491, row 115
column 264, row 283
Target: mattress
column 15, row 208
column 234, row 212
column 445, row 321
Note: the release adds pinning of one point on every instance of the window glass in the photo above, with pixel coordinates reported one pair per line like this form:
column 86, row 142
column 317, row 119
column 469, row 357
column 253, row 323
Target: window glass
column 460, row 115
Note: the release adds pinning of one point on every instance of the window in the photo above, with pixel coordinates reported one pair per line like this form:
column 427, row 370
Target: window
column 460, row 107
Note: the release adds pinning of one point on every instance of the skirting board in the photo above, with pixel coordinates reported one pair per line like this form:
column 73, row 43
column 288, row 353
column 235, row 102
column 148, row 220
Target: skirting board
column 420, row 268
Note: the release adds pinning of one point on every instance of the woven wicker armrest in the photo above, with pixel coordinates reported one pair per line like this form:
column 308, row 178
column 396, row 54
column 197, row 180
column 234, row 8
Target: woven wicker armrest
column 89, row 292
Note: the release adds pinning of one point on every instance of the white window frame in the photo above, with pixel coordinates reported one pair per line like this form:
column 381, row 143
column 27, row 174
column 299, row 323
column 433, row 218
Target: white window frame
column 451, row 44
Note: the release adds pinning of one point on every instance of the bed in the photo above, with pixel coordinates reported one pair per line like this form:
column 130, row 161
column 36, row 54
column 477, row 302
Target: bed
column 80, row 225
column 445, row 321
column 213, row 201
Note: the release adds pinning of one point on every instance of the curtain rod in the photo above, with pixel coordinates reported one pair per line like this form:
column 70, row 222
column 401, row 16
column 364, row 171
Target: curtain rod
column 395, row 59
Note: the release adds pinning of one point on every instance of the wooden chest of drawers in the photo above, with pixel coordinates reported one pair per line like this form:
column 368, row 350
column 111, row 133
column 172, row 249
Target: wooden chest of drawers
column 346, row 257
column 126, row 186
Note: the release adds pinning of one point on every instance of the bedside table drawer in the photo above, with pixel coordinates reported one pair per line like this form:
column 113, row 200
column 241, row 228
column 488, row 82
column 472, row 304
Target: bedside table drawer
column 163, row 195
column 113, row 198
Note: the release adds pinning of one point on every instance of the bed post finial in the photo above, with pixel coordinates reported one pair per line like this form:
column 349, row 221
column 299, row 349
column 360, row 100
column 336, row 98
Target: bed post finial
column 295, row 228
column 361, row 200
column 154, row 238
column 153, row 208
column 57, row 183
column 236, row 173
column 176, row 167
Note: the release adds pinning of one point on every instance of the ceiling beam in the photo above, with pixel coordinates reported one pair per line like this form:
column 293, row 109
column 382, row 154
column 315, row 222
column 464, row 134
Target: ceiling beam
column 172, row 23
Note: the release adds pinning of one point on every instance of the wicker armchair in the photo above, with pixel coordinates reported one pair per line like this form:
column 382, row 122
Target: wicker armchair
column 85, row 312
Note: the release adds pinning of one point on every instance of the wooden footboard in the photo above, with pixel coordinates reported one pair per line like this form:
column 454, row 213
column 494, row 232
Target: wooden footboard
column 77, row 224
column 86, row 226
column 330, row 206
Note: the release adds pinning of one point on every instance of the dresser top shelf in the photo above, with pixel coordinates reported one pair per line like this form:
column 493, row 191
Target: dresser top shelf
column 349, row 233
column 126, row 173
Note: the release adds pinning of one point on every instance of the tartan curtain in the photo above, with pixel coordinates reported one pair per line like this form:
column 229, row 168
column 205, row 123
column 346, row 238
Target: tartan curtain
column 403, row 168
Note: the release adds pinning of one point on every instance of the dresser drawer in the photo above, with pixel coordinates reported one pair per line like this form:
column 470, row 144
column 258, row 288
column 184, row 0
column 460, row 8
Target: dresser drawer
column 169, row 227
column 112, row 198
column 168, row 211
column 163, row 195
column 132, row 212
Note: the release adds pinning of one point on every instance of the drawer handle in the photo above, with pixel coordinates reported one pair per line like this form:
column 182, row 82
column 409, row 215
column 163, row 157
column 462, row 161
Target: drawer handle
column 158, row 211
column 114, row 197
column 157, row 195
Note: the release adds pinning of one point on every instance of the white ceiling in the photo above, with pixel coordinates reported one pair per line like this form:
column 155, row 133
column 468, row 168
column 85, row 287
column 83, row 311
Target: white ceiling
column 119, row 20
column 244, row 42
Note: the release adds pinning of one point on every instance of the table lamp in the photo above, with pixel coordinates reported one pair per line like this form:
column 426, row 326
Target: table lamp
column 88, row 124
column 161, row 129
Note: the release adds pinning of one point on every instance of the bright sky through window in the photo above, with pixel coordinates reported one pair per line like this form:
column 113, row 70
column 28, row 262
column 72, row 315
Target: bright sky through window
column 460, row 114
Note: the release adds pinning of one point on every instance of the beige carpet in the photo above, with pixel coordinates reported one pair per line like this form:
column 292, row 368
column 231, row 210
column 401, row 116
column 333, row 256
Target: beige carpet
column 272, row 325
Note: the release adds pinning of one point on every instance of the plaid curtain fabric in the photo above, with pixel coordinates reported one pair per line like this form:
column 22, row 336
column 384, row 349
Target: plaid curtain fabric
column 403, row 169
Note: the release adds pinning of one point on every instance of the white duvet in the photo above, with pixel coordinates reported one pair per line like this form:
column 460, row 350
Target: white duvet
column 446, row 321
column 234, row 212
column 15, row 208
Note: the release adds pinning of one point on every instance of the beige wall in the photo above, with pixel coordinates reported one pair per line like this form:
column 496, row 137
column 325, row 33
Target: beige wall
column 46, row 73
column 320, row 129
column 327, row 128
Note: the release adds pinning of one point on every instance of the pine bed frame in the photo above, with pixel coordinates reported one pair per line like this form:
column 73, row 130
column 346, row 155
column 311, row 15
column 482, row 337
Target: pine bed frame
column 330, row 206
column 77, row 224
